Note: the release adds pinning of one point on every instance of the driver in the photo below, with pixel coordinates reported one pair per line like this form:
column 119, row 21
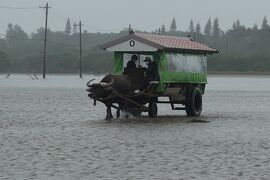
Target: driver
column 132, row 62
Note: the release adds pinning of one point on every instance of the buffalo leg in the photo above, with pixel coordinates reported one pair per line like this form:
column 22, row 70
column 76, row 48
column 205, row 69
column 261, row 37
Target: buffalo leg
column 118, row 111
column 109, row 112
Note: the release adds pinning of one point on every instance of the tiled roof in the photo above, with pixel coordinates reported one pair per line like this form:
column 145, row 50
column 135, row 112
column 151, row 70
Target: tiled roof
column 164, row 42
column 172, row 42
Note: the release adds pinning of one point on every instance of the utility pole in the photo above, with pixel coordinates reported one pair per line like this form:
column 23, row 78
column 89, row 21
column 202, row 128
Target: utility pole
column 129, row 28
column 80, row 29
column 45, row 39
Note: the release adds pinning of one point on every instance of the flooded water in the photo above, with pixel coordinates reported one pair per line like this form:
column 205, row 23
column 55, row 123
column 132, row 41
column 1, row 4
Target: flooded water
column 49, row 129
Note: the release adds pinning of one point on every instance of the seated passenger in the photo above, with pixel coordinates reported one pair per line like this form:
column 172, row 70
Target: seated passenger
column 132, row 62
column 151, row 72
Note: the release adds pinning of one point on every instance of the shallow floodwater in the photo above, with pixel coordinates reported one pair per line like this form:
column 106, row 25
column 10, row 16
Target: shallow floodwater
column 49, row 129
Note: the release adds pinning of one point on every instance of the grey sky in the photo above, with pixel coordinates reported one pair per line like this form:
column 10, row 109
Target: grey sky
column 106, row 15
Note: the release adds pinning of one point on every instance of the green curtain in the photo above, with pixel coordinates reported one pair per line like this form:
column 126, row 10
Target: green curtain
column 176, row 77
column 118, row 63
column 183, row 77
column 162, row 66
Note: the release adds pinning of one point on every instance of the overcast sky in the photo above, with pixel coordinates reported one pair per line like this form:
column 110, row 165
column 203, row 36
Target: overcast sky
column 114, row 15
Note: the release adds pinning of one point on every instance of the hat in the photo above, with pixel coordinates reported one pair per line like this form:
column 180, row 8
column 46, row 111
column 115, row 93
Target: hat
column 147, row 59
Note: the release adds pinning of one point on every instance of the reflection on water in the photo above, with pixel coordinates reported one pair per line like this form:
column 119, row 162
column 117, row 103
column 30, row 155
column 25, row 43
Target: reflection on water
column 49, row 129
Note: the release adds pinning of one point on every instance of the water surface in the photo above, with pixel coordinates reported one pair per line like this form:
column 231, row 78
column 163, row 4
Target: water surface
column 49, row 129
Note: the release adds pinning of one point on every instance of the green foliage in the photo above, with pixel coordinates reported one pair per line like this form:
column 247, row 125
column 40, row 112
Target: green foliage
column 255, row 27
column 191, row 26
column 241, row 49
column 216, row 30
column 163, row 29
column 16, row 36
column 198, row 28
column 208, row 28
column 265, row 25
column 68, row 28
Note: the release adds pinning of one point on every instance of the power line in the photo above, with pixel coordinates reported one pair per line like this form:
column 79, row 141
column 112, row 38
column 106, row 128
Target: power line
column 102, row 30
column 63, row 15
column 56, row 12
column 17, row 8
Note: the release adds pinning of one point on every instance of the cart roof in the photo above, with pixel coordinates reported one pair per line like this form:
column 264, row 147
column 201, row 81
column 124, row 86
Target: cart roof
column 141, row 42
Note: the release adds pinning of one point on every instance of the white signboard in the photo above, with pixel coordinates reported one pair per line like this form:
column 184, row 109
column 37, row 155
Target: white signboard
column 132, row 46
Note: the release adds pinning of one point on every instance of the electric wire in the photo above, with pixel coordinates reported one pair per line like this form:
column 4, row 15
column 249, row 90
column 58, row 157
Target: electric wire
column 57, row 12
column 17, row 8
column 49, row 41
column 63, row 16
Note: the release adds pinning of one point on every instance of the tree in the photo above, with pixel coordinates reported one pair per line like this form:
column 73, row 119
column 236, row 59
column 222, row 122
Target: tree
column 198, row 28
column 216, row 29
column 75, row 29
column 173, row 26
column 208, row 28
column 255, row 27
column 265, row 25
column 163, row 29
column 191, row 26
column 238, row 24
column 16, row 31
column 68, row 28
column 15, row 36
column 234, row 26
column 245, row 49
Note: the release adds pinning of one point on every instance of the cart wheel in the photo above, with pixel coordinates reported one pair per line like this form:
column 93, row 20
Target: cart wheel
column 152, row 112
column 193, row 102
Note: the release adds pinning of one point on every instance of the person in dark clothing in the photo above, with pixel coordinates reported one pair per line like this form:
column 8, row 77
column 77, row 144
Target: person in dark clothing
column 151, row 72
column 132, row 62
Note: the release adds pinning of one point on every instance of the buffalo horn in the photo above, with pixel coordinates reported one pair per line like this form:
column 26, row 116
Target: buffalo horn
column 88, row 83
column 103, row 84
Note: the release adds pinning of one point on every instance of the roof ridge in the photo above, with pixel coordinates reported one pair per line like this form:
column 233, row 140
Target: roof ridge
column 160, row 35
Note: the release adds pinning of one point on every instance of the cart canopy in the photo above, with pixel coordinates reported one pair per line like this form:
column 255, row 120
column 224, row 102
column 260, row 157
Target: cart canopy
column 179, row 59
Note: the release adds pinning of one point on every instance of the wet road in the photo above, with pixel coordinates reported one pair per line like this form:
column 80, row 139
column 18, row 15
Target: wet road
column 52, row 131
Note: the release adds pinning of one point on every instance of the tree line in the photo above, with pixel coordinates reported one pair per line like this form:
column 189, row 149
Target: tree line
column 241, row 48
